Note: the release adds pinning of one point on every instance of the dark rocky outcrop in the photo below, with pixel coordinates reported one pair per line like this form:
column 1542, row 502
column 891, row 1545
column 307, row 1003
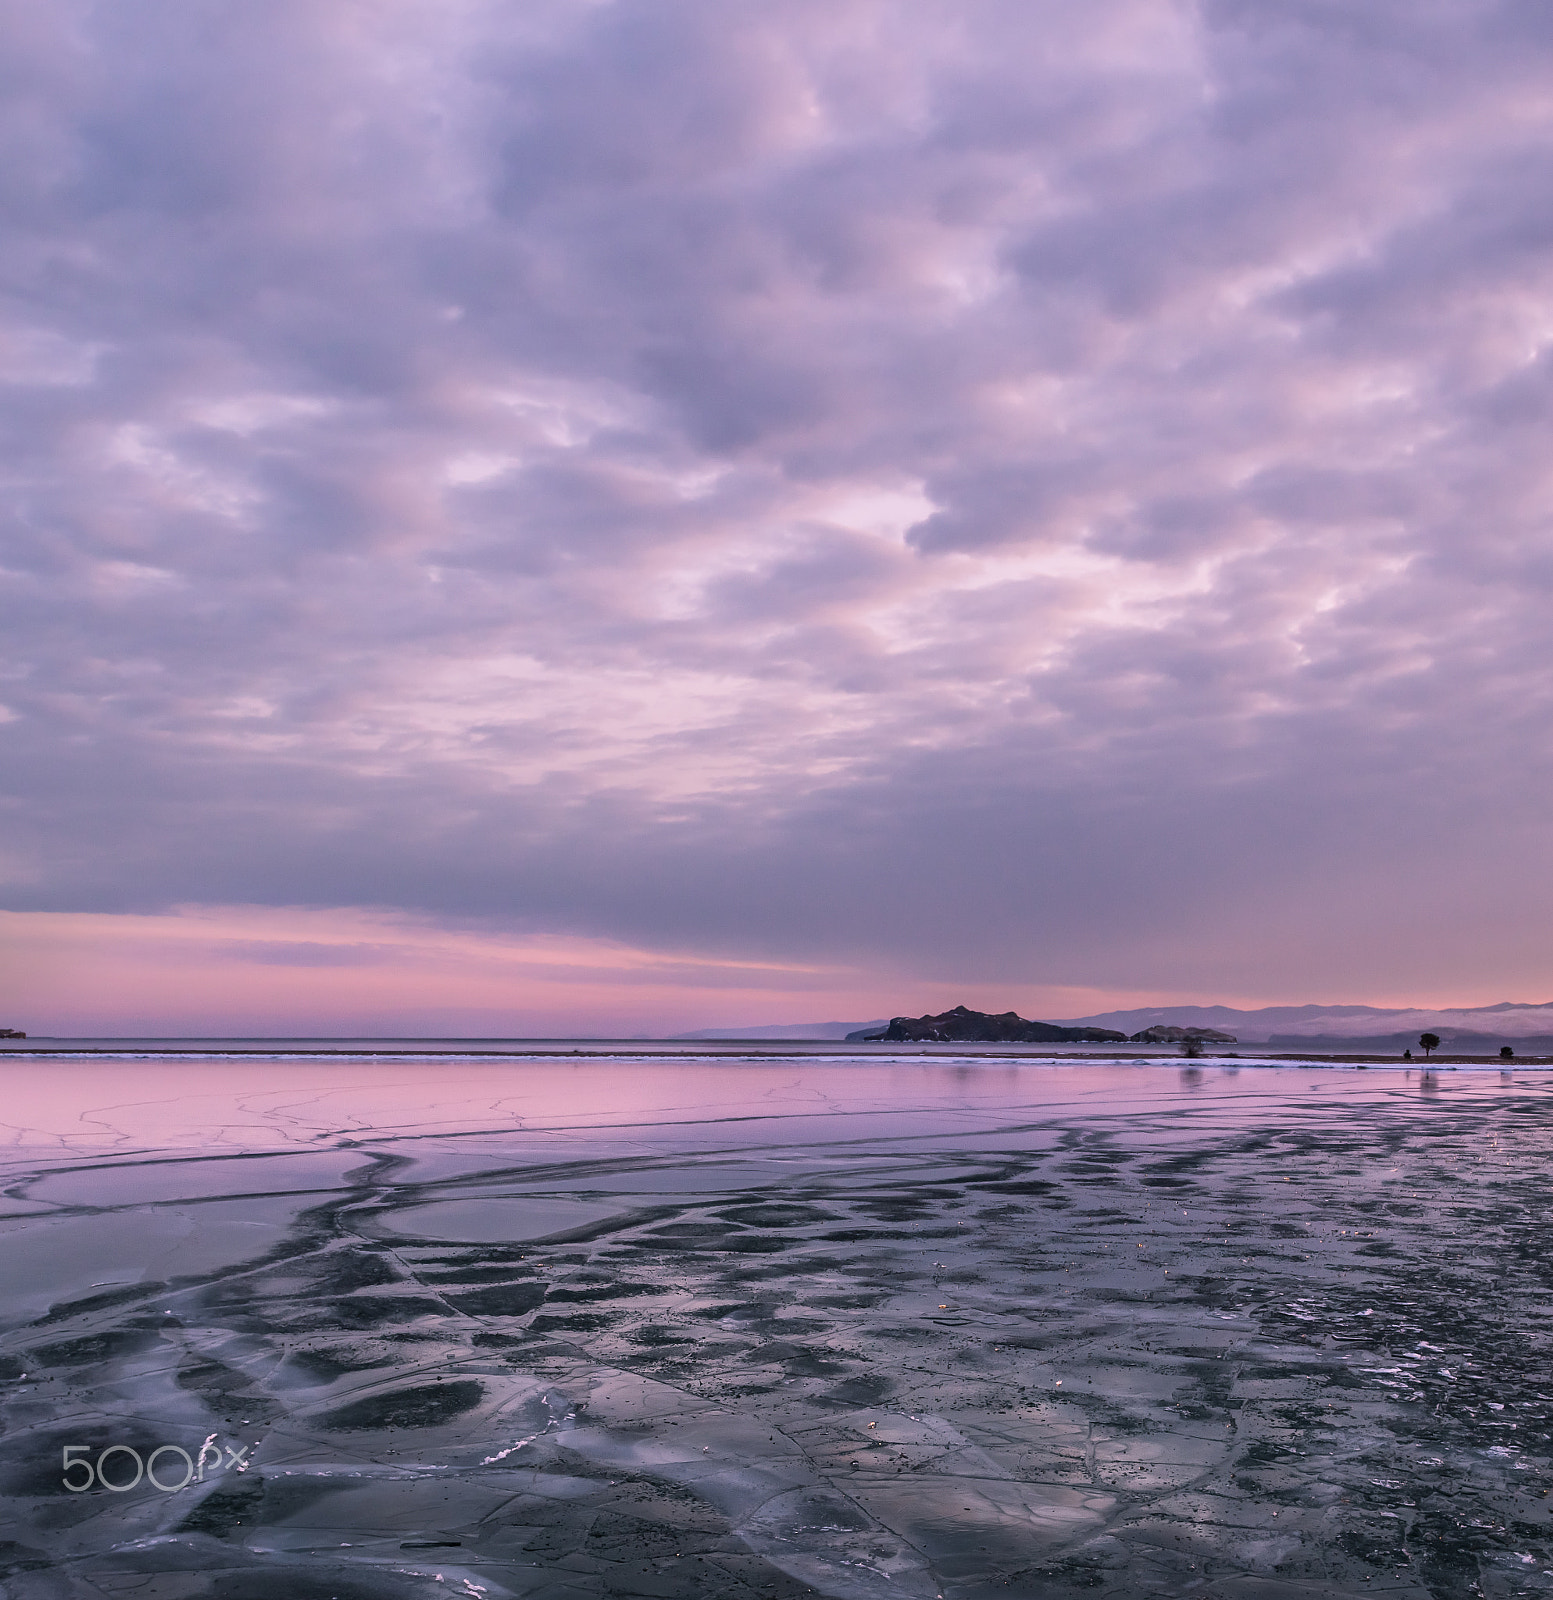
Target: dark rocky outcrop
column 1160, row 1034
column 964, row 1026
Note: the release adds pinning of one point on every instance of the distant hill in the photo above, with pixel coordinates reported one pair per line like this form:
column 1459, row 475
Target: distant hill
column 1509, row 1022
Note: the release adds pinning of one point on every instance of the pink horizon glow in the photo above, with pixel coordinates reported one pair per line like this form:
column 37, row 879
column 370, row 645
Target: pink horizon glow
column 297, row 972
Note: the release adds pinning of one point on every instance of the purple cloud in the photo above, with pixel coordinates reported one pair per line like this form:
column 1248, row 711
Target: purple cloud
column 1037, row 491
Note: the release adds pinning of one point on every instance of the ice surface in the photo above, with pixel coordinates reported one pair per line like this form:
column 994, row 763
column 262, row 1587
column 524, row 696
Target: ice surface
column 907, row 1329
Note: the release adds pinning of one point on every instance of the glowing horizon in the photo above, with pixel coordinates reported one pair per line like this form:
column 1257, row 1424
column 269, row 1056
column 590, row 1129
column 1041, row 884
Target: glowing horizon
column 300, row 972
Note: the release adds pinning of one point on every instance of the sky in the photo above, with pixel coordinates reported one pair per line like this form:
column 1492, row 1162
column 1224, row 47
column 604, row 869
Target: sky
column 634, row 515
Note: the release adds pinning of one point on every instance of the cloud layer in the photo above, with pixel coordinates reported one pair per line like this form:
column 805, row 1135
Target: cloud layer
column 996, row 493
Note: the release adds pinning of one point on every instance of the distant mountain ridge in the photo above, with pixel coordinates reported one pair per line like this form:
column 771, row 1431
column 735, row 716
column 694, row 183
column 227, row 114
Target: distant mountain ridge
column 1508, row 1021
column 784, row 1030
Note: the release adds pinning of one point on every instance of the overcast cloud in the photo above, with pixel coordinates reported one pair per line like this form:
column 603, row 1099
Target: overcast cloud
column 993, row 491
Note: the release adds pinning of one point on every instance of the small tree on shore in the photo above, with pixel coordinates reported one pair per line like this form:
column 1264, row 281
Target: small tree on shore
column 1430, row 1042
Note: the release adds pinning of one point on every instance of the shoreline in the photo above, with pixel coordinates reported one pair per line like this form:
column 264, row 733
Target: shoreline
column 754, row 1049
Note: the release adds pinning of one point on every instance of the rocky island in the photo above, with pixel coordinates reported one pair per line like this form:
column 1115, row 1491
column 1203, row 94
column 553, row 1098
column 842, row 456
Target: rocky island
column 1162, row 1034
column 961, row 1025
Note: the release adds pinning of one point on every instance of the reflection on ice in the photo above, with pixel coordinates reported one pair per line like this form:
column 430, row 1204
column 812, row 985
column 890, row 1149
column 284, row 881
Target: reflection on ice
column 897, row 1330
column 498, row 1218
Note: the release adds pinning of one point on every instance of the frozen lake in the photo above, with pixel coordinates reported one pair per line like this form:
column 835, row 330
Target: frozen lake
column 628, row 1322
